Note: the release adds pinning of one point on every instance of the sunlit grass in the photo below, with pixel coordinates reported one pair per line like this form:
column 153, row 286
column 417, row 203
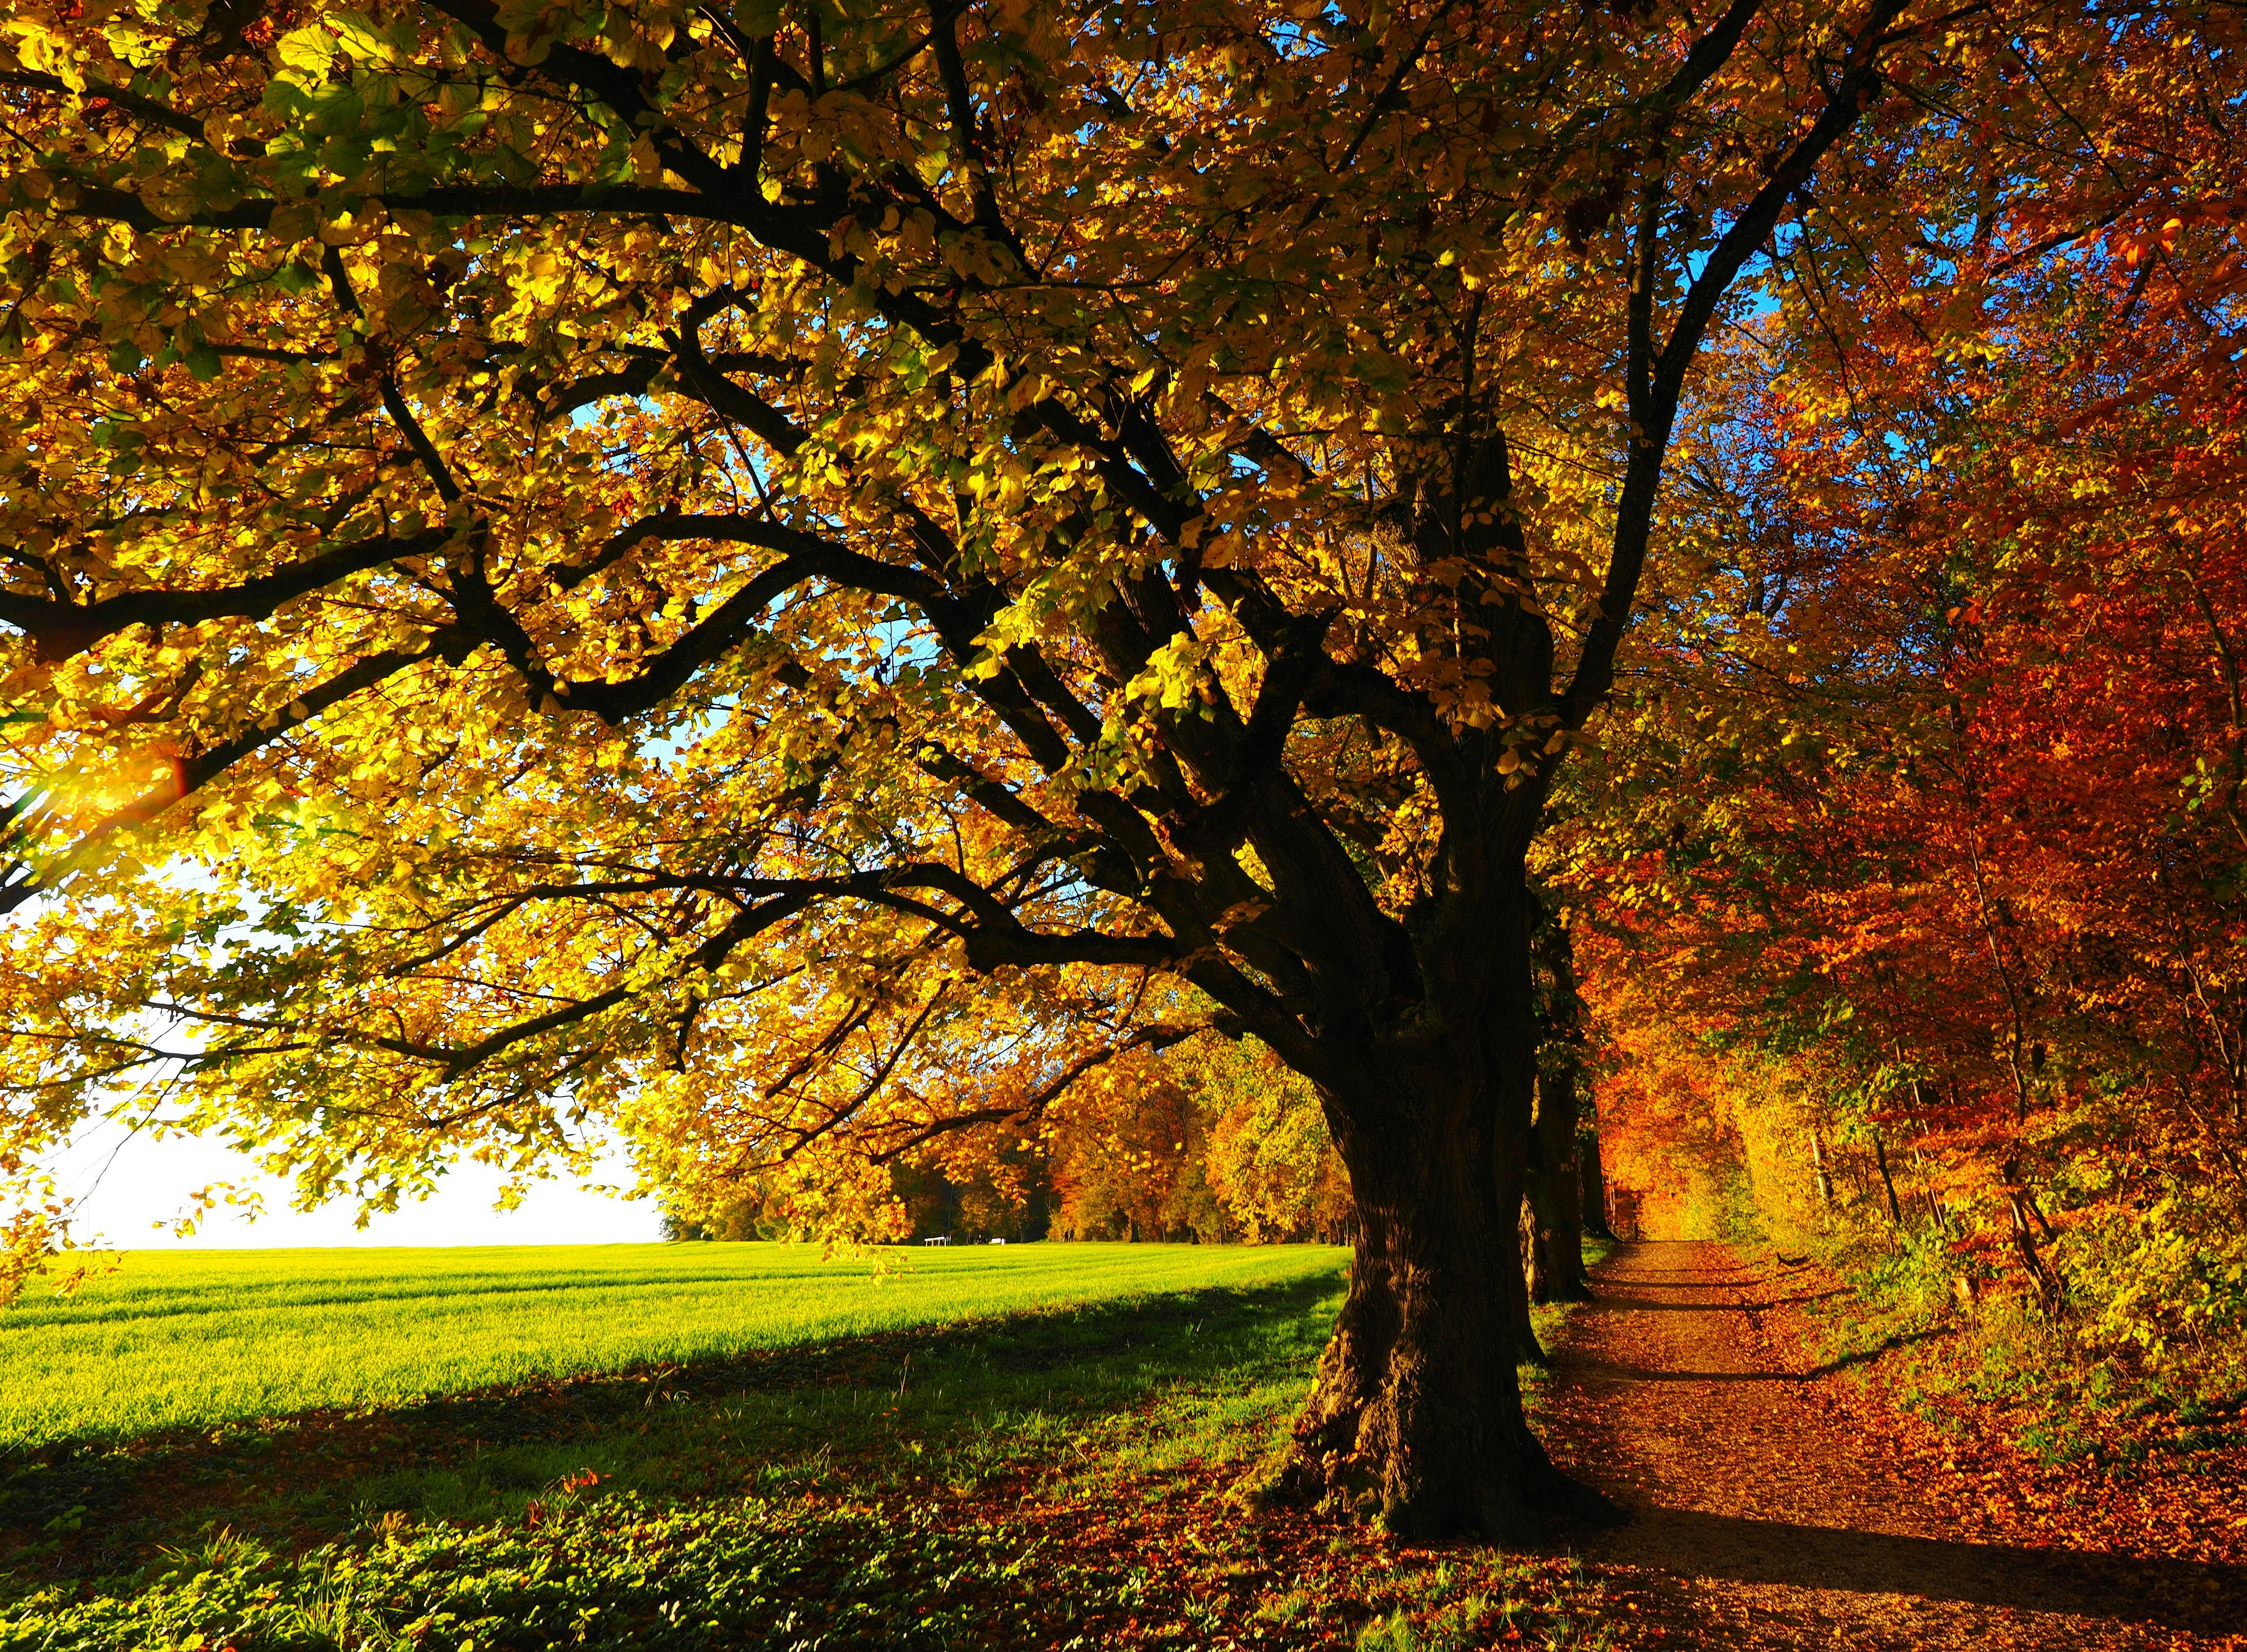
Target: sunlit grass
column 173, row 1338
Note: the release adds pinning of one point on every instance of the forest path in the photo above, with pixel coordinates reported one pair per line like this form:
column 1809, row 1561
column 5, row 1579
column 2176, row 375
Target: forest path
column 1768, row 1514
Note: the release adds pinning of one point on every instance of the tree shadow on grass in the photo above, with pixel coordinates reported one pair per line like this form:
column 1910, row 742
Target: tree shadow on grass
column 89, row 1504
column 2177, row 1593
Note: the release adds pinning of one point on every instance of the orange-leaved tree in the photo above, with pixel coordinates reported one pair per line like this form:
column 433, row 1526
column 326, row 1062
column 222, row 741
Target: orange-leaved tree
column 1917, row 860
column 774, row 576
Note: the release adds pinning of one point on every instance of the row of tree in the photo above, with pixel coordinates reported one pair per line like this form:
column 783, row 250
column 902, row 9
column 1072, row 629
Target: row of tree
column 1913, row 863
column 1213, row 1142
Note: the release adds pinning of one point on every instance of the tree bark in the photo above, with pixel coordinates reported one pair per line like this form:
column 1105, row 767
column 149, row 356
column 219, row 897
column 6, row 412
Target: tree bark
column 1553, row 1228
column 1887, row 1182
column 2021, row 1205
column 2050, row 1294
column 1592, row 1179
column 1521, row 1284
column 1415, row 1413
column 1556, row 1254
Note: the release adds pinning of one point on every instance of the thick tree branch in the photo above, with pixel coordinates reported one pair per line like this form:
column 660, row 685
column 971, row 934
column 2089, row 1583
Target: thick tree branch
column 1654, row 398
column 59, row 630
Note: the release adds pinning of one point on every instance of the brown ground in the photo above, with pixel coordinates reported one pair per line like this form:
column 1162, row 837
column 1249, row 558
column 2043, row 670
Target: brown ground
column 1780, row 1505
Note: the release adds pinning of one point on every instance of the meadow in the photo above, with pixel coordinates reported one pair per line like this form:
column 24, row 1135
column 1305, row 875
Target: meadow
column 704, row 1446
column 168, row 1338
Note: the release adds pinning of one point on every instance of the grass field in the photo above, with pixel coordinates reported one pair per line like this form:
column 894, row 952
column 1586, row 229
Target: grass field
column 173, row 1338
column 703, row 1448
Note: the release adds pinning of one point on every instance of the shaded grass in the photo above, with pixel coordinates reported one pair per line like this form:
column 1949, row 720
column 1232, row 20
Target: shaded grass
column 1054, row 1478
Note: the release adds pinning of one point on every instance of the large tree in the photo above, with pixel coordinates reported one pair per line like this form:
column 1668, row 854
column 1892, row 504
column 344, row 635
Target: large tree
column 792, row 578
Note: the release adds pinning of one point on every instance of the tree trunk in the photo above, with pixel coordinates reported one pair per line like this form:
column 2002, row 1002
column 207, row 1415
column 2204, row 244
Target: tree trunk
column 1553, row 1226
column 1887, row 1182
column 1521, row 1285
column 1415, row 1413
column 1556, row 1228
column 1593, row 1179
column 2021, row 1204
column 2050, row 1294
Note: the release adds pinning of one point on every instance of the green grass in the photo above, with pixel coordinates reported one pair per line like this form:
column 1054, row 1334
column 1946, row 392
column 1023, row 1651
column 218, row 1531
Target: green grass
column 171, row 1338
column 1061, row 1476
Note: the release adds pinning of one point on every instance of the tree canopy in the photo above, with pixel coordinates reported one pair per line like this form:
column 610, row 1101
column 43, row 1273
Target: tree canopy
column 792, row 580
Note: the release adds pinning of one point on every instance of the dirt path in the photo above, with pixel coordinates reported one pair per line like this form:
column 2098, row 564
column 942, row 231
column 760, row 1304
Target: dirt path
column 1767, row 1513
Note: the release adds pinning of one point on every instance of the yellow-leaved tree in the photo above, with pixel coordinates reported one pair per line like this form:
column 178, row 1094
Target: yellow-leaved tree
column 774, row 576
